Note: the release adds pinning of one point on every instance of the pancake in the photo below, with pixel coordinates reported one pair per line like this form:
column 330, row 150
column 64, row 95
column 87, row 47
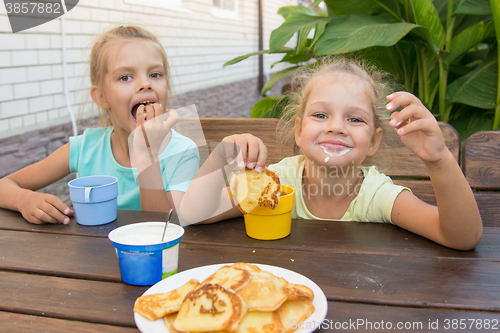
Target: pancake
column 246, row 266
column 168, row 320
column 293, row 313
column 297, row 291
column 156, row 306
column 251, row 189
column 210, row 308
column 229, row 277
column 260, row 322
column 264, row 292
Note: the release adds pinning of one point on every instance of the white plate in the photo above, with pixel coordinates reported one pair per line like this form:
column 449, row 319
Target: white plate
column 201, row 273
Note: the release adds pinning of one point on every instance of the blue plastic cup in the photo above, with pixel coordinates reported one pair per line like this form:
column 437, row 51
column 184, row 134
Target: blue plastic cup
column 143, row 257
column 94, row 199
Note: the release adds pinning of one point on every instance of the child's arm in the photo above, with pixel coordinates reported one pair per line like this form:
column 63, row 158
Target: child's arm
column 456, row 221
column 17, row 190
column 149, row 139
column 207, row 198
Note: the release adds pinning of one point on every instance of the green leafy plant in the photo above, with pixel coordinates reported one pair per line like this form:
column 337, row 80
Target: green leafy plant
column 443, row 51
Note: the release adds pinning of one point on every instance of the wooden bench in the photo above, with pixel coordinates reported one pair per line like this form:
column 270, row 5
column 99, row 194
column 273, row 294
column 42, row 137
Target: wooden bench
column 213, row 130
column 481, row 165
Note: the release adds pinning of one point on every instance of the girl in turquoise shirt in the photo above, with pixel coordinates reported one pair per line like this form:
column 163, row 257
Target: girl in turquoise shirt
column 130, row 80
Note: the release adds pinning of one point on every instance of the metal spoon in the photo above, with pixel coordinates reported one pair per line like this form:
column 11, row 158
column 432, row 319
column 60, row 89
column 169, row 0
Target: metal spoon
column 166, row 223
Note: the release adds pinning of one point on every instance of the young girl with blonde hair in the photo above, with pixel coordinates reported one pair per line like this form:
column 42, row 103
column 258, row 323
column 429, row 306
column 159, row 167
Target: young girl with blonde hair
column 336, row 114
column 130, row 80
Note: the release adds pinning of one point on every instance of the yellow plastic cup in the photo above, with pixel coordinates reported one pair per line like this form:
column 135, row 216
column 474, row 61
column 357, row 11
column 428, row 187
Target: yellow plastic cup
column 268, row 224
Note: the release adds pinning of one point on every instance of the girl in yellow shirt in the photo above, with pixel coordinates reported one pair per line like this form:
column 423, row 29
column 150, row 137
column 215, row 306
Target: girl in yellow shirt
column 336, row 116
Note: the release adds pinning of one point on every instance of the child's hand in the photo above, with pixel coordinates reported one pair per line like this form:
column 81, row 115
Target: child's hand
column 417, row 127
column 155, row 128
column 147, row 141
column 253, row 152
column 39, row 208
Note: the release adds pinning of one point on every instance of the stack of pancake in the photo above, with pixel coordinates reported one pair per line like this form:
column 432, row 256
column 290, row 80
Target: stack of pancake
column 237, row 298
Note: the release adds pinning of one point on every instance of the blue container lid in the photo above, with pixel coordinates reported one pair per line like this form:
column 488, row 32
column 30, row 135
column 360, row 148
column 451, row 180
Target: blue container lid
column 145, row 236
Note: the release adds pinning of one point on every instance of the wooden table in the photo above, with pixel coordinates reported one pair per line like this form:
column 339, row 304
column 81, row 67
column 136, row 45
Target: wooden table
column 60, row 278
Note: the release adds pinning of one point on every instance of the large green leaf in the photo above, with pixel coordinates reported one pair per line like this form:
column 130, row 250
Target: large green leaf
column 293, row 22
column 469, row 38
column 263, row 106
column 277, row 76
column 348, row 7
column 318, row 31
column 467, row 120
column 388, row 59
column 243, row 57
column 359, row 32
column 277, row 110
column 431, row 63
column 292, row 58
column 442, row 10
column 472, row 7
column 302, row 38
column 285, row 11
column 426, row 15
column 463, row 22
column 478, row 88
column 495, row 9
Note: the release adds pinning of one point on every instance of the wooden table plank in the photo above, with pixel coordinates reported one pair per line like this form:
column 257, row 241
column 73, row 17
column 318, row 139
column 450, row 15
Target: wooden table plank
column 82, row 257
column 374, row 238
column 354, row 317
column 348, row 237
column 365, row 278
column 15, row 322
column 82, row 300
column 11, row 220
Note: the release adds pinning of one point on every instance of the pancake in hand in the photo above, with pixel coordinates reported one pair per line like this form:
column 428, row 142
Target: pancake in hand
column 251, row 189
column 210, row 308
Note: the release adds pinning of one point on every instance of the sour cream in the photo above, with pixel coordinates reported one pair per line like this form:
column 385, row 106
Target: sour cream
column 145, row 234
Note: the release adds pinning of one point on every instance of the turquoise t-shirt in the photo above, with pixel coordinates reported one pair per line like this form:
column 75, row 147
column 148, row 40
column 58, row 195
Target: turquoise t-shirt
column 91, row 154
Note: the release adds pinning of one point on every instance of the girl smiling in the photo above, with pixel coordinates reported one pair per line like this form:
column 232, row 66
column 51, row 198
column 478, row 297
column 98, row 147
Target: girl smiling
column 336, row 114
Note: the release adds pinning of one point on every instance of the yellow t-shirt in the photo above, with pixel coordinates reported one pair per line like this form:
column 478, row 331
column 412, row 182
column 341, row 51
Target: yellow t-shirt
column 373, row 203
